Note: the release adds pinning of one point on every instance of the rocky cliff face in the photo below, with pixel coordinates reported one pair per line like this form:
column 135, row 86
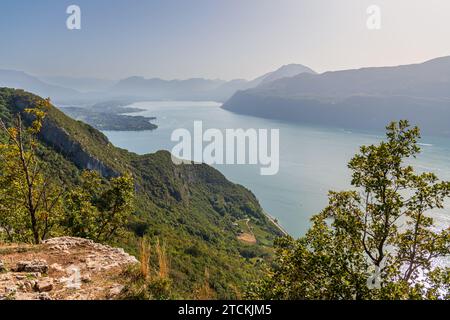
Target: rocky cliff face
column 60, row 140
column 64, row 268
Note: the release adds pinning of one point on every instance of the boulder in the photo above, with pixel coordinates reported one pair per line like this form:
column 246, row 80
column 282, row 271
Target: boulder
column 44, row 296
column 32, row 266
column 45, row 285
column 28, row 286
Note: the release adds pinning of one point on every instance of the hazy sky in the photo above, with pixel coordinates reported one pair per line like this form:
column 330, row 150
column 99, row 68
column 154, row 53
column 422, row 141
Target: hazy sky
column 216, row 38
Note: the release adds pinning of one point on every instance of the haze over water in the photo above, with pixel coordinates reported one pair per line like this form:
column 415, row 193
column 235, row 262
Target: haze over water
column 313, row 159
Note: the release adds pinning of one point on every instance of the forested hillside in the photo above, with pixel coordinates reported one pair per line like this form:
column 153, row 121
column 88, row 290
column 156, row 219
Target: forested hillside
column 193, row 209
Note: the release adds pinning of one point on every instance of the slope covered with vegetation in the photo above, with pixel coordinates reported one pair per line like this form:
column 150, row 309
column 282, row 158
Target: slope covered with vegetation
column 193, row 209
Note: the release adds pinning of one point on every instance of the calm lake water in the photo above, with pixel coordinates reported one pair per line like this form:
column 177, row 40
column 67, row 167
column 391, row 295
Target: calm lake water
column 313, row 160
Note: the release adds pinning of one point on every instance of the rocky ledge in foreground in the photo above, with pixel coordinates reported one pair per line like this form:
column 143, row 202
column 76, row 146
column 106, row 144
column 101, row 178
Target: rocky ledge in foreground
column 63, row 268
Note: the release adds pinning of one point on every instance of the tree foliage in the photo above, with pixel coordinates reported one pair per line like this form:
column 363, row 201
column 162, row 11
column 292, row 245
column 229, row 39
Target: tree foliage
column 377, row 241
column 30, row 200
column 99, row 212
column 34, row 205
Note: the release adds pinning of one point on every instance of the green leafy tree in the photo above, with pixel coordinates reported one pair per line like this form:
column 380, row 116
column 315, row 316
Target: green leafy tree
column 30, row 200
column 98, row 211
column 34, row 206
column 377, row 241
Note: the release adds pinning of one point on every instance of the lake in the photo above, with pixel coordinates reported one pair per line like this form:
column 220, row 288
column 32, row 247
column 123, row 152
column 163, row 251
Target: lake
column 313, row 159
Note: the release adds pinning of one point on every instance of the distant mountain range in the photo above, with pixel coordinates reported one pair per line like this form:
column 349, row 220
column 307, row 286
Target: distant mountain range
column 198, row 88
column 287, row 71
column 366, row 98
column 91, row 90
column 22, row 80
column 155, row 88
column 80, row 84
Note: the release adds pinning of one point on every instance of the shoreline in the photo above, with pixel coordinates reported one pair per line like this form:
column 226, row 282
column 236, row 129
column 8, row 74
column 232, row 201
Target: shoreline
column 275, row 223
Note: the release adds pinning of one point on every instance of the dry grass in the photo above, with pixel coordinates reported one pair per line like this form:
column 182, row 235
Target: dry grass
column 150, row 280
column 205, row 292
column 17, row 248
column 144, row 257
column 163, row 262
column 145, row 250
column 236, row 291
column 248, row 238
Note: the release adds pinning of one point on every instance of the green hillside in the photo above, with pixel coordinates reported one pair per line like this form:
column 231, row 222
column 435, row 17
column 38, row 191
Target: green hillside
column 194, row 209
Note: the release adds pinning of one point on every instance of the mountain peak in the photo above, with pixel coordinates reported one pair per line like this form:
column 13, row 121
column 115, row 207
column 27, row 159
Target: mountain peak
column 285, row 71
column 295, row 67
